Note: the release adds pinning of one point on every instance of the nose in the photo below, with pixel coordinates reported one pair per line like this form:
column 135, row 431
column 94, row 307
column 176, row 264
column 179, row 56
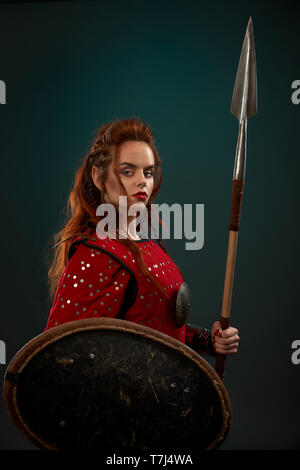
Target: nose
column 141, row 180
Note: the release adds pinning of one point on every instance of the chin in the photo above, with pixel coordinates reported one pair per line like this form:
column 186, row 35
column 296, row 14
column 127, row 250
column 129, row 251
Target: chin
column 138, row 204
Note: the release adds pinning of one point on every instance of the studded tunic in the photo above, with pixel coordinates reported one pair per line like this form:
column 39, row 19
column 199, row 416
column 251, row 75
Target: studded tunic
column 103, row 279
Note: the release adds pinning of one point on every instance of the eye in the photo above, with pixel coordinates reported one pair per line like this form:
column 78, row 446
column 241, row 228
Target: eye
column 127, row 172
column 149, row 173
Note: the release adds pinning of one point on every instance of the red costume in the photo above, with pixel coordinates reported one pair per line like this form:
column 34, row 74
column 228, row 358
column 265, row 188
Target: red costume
column 103, row 279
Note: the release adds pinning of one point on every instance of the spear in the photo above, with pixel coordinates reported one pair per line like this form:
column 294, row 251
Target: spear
column 243, row 107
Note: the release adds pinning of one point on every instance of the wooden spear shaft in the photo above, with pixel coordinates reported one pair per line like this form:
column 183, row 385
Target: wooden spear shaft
column 237, row 195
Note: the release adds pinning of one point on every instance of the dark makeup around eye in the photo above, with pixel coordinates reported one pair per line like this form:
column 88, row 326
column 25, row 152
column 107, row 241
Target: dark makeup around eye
column 124, row 165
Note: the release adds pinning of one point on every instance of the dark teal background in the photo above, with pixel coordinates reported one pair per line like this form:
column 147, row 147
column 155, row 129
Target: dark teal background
column 69, row 67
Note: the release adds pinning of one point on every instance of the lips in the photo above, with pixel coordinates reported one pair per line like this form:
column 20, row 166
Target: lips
column 140, row 195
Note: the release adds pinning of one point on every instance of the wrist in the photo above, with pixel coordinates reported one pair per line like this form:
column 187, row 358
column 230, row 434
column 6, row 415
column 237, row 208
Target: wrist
column 202, row 342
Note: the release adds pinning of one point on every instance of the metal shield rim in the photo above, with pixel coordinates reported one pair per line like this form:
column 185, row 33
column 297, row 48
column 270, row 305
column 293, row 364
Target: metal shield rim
column 46, row 338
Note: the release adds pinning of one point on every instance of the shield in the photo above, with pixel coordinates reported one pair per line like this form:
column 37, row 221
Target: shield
column 112, row 384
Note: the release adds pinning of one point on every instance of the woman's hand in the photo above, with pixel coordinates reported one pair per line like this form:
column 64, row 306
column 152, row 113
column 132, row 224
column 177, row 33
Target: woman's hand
column 224, row 342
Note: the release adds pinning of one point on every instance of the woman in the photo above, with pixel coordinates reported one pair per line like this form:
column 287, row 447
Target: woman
column 125, row 276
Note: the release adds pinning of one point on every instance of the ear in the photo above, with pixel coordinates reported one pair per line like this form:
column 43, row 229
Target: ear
column 97, row 177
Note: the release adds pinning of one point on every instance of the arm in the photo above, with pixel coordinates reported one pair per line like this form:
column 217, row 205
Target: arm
column 213, row 341
column 200, row 340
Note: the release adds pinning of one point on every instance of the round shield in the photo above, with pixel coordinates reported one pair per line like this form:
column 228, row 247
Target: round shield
column 112, row 384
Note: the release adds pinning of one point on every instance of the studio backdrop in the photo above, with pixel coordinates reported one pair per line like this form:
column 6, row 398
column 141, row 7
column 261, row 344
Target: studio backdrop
column 67, row 67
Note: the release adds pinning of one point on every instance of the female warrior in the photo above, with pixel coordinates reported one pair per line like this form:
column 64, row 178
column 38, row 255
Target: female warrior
column 122, row 276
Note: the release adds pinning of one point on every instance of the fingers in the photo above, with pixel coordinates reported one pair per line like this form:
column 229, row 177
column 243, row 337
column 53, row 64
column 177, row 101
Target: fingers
column 226, row 352
column 226, row 341
column 230, row 332
column 231, row 349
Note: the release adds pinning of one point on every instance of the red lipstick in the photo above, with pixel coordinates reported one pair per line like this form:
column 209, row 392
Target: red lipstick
column 140, row 195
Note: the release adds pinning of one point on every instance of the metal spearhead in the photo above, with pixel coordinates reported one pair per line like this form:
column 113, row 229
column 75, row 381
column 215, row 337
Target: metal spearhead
column 244, row 98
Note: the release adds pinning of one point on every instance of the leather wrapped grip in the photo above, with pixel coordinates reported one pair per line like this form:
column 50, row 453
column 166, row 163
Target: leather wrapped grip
column 236, row 205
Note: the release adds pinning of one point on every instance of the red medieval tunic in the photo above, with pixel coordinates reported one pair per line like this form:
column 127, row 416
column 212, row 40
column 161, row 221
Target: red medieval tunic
column 103, row 279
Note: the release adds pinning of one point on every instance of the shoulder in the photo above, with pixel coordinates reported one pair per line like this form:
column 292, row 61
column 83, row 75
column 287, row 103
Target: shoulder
column 95, row 249
column 101, row 261
column 125, row 255
column 90, row 271
column 85, row 257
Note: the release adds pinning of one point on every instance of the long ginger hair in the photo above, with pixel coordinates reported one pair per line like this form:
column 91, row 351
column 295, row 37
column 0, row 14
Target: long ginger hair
column 85, row 197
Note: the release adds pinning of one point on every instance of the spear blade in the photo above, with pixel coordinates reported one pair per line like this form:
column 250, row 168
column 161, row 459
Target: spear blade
column 244, row 98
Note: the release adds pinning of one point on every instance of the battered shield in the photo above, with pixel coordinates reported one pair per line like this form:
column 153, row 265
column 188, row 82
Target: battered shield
column 110, row 384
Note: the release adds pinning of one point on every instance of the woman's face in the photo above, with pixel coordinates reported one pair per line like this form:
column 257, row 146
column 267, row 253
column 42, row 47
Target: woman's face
column 135, row 168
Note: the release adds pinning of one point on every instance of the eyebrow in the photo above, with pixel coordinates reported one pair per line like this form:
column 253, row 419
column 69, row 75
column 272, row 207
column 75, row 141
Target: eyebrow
column 134, row 166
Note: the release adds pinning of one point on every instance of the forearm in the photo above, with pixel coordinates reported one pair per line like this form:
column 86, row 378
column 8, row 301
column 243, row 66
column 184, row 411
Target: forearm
column 199, row 339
